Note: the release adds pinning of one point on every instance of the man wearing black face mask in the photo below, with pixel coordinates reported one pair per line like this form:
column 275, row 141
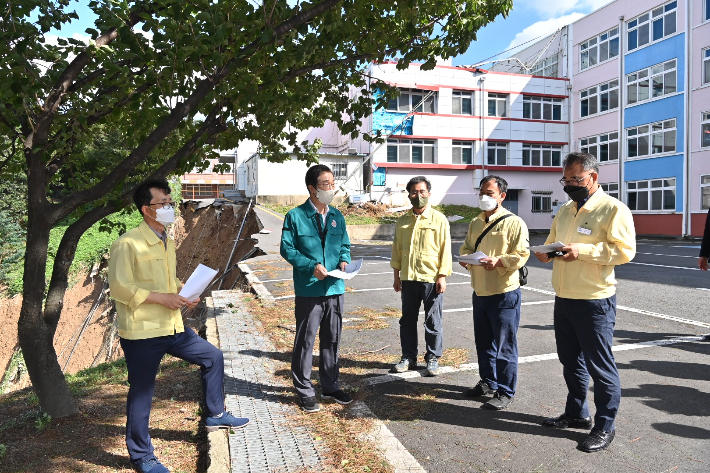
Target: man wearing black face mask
column 421, row 259
column 598, row 232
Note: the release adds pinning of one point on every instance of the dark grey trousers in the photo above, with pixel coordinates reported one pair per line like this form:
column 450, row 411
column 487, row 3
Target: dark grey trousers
column 413, row 294
column 313, row 313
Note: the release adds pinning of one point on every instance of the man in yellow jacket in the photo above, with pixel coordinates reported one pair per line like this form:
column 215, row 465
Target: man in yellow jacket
column 598, row 233
column 143, row 282
column 496, row 292
column 421, row 259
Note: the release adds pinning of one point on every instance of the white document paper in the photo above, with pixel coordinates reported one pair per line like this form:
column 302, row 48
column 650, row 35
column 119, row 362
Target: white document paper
column 198, row 282
column 474, row 258
column 350, row 272
column 547, row 248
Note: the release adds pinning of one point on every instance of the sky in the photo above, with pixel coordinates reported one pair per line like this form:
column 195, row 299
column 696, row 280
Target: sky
column 528, row 20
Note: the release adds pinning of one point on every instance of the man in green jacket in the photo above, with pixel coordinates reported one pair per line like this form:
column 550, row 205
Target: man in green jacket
column 314, row 240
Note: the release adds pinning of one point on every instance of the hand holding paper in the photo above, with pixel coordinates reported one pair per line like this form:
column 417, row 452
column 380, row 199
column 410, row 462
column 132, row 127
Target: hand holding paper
column 197, row 282
column 474, row 259
column 350, row 272
column 547, row 248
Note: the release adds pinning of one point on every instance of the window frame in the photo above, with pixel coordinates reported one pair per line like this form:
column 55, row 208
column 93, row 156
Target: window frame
column 634, row 133
column 633, row 187
column 705, row 58
column 462, row 95
column 598, row 93
column 647, row 75
column 702, row 187
column 410, row 144
column 705, row 123
column 497, row 147
column 461, row 146
column 542, row 147
column 529, row 102
column 339, row 170
column 496, row 100
column 607, row 188
column 543, row 67
column 541, row 198
column 597, row 141
column 409, row 106
column 649, row 19
column 595, row 43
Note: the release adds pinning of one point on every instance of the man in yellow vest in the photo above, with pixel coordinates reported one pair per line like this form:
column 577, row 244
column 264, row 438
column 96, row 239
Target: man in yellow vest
column 598, row 233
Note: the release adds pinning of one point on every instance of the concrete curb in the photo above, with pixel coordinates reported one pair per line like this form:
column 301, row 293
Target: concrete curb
column 385, row 231
column 217, row 442
column 256, row 285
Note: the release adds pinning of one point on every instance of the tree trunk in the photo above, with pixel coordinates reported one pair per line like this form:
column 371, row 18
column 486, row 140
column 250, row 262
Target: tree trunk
column 36, row 335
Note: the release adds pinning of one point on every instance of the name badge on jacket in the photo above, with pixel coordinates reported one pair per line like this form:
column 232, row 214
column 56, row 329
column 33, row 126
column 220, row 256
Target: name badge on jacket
column 583, row 230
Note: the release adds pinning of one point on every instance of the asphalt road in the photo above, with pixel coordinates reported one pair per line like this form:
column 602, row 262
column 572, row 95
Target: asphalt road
column 663, row 421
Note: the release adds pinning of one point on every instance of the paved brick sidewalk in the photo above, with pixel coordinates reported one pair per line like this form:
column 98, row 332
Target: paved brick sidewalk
column 270, row 443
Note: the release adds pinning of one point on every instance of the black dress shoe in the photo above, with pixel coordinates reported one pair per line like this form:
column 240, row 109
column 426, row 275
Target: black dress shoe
column 597, row 440
column 565, row 421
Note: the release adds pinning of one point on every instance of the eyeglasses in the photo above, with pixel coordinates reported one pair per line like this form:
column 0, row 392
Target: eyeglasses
column 574, row 182
column 422, row 193
column 326, row 185
column 164, row 204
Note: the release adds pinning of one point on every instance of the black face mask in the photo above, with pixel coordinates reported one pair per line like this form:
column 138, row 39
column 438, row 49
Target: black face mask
column 576, row 193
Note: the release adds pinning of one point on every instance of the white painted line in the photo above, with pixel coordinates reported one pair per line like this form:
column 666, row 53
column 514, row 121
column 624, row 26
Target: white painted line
column 688, row 246
column 663, row 316
column 531, row 359
column 665, row 254
column 663, row 266
column 469, row 309
column 291, row 279
column 541, row 291
column 291, row 296
column 703, row 288
column 392, row 449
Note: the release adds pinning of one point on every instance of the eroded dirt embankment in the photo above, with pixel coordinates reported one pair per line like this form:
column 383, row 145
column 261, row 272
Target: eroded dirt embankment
column 205, row 235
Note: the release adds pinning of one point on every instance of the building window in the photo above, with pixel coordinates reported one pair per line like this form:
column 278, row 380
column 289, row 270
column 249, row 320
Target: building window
column 200, row 191
column 410, row 151
column 541, row 201
column 603, row 147
column 497, row 153
column 599, row 98
column 652, row 195
column 340, row 170
column 542, row 155
column 497, row 104
column 462, row 152
column 705, row 192
column 461, row 103
column 411, row 100
column 705, row 130
column 652, row 26
column 546, row 67
column 542, row 108
column 599, row 49
column 611, row 188
column 654, row 138
column 706, row 64
column 653, row 82
column 707, row 10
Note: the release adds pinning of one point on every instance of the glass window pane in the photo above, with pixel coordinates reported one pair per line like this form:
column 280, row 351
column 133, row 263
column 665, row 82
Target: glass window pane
column 643, row 34
column 501, row 108
column 526, row 110
column 631, row 185
column 669, row 82
column 404, row 153
column 604, row 102
column 632, row 200
column 706, row 69
column 657, row 12
column 706, row 190
column 526, row 157
column 456, row 153
column 614, row 47
column 671, row 6
column 466, row 155
column 669, row 141
column 556, row 158
column 643, row 92
column 404, row 103
column 535, row 161
column 604, row 51
column 556, row 112
column 643, row 145
column 613, row 99
column 658, row 86
column 669, row 199
column 416, row 100
column 593, row 105
column 633, row 39
column 603, row 153
column 658, row 29
column 656, row 200
column 592, row 56
column 466, row 106
column 706, row 135
column 614, row 151
column 669, row 23
column 491, row 107
column 584, row 60
column 642, row 198
column 391, row 154
column 392, row 104
column 632, row 92
column 491, row 155
column 536, row 111
column 657, row 183
column 632, row 150
column 456, row 105
column 547, row 111
column 417, row 154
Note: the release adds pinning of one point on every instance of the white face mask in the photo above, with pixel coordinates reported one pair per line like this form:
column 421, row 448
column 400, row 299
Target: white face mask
column 325, row 197
column 488, row 203
column 165, row 215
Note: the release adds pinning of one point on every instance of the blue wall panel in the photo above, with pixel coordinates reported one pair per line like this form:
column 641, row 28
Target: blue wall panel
column 656, row 168
column 660, row 109
column 671, row 48
column 388, row 122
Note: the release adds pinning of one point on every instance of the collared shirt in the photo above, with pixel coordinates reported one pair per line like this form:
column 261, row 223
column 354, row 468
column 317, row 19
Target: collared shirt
column 604, row 230
column 324, row 216
column 509, row 241
column 163, row 237
column 139, row 265
column 421, row 249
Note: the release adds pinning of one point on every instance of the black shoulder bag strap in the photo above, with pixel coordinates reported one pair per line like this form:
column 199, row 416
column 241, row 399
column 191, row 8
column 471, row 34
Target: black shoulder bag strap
column 522, row 272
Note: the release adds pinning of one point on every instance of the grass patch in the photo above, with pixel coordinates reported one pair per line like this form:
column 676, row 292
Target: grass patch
column 468, row 213
column 454, row 357
column 372, row 319
column 94, row 439
column 410, row 402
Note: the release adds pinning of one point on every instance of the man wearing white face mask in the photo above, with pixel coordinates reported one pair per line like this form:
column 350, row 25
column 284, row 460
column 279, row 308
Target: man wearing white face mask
column 503, row 237
column 314, row 240
column 142, row 279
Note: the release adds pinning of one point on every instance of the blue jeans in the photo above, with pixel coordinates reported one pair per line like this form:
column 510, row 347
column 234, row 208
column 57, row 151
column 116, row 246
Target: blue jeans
column 584, row 330
column 496, row 320
column 143, row 360
column 413, row 294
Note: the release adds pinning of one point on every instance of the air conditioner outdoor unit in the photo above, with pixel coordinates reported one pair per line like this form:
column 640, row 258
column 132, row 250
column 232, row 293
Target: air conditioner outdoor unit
column 352, row 150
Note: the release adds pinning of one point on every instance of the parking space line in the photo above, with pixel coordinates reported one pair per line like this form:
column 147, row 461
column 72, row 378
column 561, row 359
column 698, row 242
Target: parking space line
column 663, row 266
column 291, row 296
column 665, row 254
column 464, row 309
column 386, row 378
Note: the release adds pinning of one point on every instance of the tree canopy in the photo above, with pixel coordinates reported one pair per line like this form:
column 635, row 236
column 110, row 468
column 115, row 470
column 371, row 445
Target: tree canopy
column 170, row 81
